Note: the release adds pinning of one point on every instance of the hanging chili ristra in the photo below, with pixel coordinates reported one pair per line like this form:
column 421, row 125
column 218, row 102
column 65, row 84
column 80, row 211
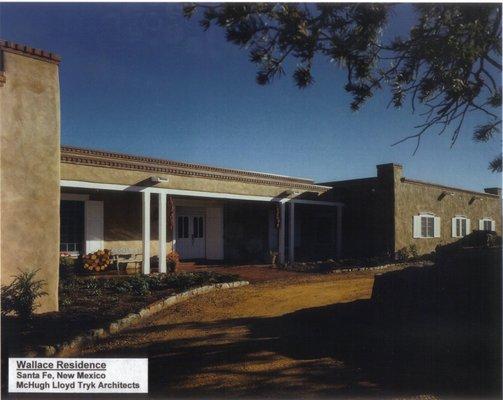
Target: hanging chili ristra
column 278, row 218
column 171, row 213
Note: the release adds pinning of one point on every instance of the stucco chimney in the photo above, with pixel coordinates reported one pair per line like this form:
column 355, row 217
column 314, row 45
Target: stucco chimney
column 389, row 172
column 29, row 194
column 493, row 190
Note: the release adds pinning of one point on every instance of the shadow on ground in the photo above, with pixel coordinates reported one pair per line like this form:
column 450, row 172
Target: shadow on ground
column 424, row 331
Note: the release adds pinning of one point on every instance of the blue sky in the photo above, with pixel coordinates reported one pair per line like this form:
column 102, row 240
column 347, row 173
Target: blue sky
column 141, row 79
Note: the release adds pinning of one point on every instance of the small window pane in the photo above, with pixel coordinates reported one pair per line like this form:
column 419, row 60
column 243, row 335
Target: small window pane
column 185, row 227
column 487, row 225
column 460, row 227
column 195, row 226
column 180, row 227
column 71, row 225
column 427, row 226
column 201, row 230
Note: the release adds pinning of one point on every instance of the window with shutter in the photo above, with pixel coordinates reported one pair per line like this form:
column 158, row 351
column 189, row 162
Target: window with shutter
column 460, row 226
column 487, row 224
column 426, row 226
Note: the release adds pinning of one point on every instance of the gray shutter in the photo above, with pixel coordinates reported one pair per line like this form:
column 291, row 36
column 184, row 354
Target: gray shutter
column 493, row 226
column 468, row 227
column 454, row 228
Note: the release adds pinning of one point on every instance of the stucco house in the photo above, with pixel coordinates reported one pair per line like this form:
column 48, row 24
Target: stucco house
column 79, row 200
column 112, row 200
column 64, row 199
column 390, row 212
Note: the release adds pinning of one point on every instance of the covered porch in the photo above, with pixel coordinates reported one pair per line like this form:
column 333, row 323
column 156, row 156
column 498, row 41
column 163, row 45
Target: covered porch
column 203, row 226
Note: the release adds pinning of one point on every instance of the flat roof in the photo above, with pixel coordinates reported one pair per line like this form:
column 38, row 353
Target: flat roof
column 28, row 51
column 78, row 155
column 441, row 186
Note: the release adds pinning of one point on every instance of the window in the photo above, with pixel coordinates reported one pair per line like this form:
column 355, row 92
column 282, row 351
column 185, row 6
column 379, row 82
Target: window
column 183, row 227
column 460, row 226
column 72, row 226
column 426, row 225
column 487, row 224
column 198, row 227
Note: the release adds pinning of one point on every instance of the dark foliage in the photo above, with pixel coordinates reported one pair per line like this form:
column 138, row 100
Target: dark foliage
column 142, row 285
column 21, row 294
column 449, row 64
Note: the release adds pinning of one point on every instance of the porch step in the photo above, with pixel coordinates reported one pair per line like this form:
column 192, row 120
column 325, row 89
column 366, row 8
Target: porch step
column 187, row 263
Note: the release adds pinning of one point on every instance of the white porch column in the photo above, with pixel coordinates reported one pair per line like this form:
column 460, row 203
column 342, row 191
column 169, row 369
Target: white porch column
column 173, row 232
column 146, row 231
column 291, row 243
column 339, row 231
column 281, row 239
column 162, row 232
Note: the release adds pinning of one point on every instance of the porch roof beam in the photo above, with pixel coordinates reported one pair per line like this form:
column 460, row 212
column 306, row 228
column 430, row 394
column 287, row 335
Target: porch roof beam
column 189, row 193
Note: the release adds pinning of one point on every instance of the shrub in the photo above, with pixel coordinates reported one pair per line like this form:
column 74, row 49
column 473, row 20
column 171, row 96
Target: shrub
column 98, row 261
column 139, row 285
column 403, row 254
column 21, row 294
column 172, row 261
column 66, row 265
column 413, row 251
column 92, row 286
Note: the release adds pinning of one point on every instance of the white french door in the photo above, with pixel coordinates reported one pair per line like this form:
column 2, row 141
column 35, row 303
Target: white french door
column 190, row 236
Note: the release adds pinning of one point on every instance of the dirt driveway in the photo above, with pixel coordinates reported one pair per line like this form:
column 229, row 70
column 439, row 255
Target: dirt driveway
column 303, row 336
column 223, row 343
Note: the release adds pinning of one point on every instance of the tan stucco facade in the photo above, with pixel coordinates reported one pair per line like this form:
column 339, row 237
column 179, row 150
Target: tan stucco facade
column 30, row 154
column 123, row 218
column 379, row 211
column 96, row 174
column 413, row 198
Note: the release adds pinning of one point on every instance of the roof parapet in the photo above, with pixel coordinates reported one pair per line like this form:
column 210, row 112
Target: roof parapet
column 28, row 51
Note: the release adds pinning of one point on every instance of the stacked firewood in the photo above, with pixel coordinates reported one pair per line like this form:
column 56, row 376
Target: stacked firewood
column 98, row 261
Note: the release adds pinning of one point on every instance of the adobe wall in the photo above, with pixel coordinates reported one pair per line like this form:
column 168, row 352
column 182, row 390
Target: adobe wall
column 378, row 212
column 413, row 198
column 97, row 174
column 122, row 219
column 30, row 154
column 367, row 216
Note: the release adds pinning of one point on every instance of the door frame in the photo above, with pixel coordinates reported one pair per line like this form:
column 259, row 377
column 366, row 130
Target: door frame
column 191, row 212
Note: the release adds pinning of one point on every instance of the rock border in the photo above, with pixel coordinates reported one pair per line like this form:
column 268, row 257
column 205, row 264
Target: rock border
column 92, row 336
column 378, row 267
column 357, row 268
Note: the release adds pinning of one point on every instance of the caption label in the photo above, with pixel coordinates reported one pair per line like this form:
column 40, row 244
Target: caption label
column 78, row 375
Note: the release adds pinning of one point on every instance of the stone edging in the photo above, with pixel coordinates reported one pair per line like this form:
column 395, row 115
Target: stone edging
column 92, row 336
column 377, row 267
column 353, row 269
column 359, row 268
